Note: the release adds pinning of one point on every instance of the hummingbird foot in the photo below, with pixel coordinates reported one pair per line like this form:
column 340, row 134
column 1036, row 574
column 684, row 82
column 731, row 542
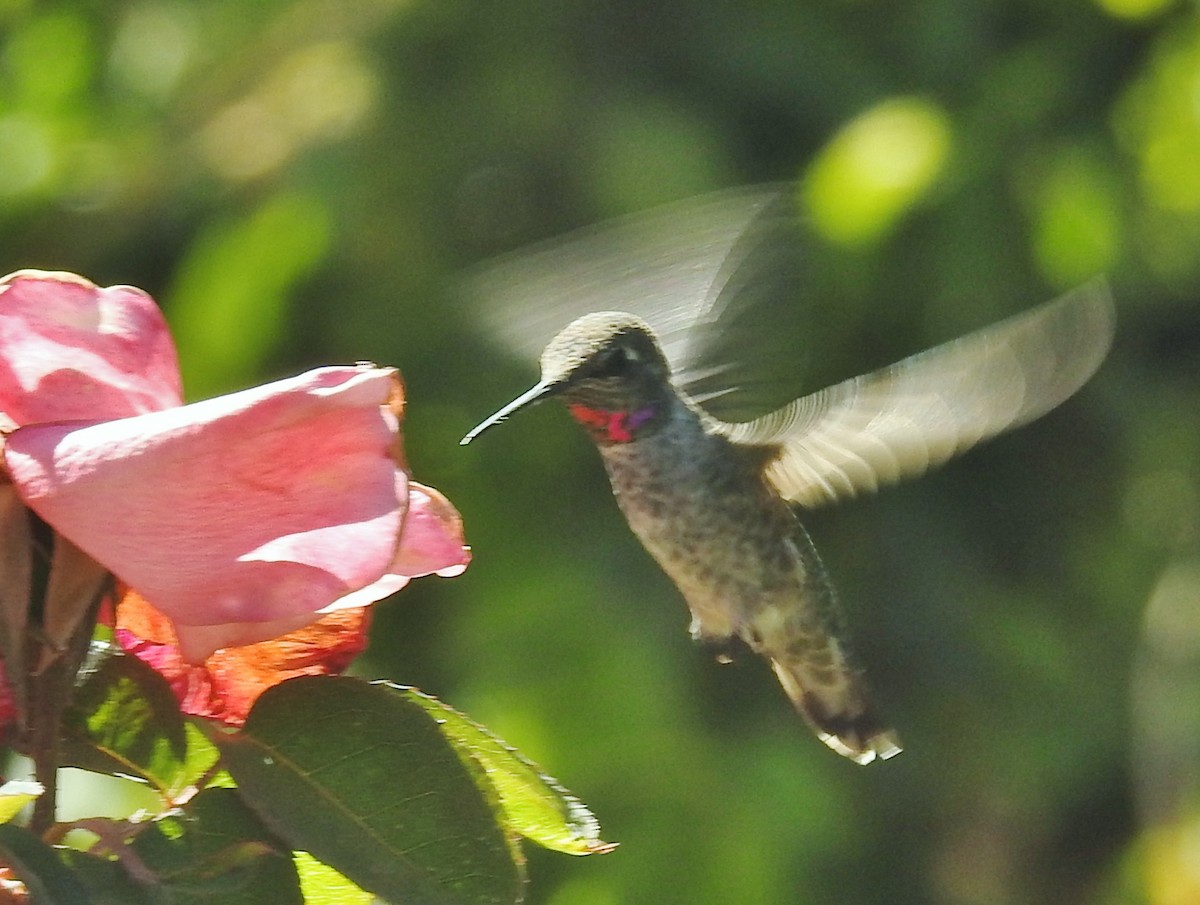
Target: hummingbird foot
column 725, row 650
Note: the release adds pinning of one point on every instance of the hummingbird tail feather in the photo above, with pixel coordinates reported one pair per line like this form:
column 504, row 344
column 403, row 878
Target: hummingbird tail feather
column 842, row 716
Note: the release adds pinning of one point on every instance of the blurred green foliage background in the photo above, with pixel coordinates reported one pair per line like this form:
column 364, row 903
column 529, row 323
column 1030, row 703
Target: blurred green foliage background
column 300, row 181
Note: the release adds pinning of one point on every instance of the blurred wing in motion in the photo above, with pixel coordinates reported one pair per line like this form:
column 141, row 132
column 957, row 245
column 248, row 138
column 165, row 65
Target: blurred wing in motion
column 681, row 268
column 904, row 419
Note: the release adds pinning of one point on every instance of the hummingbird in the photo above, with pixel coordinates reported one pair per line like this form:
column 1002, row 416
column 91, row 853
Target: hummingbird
column 715, row 501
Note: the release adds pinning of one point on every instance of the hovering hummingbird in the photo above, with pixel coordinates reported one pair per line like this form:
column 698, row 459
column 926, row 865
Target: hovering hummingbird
column 713, row 501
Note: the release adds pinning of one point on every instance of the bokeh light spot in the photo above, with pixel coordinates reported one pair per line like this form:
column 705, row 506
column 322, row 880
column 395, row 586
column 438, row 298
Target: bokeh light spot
column 1134, row 9
column 28, row 154
column 317, row 93
column 876, row 168
column 1077, row 228
column 1159, row 119
column 151, row 49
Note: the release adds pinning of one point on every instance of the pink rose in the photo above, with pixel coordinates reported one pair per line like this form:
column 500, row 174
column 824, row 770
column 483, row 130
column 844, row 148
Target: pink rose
column 239, row 518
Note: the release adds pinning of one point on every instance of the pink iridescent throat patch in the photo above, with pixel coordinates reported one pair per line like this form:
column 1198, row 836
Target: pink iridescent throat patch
column 615, row 427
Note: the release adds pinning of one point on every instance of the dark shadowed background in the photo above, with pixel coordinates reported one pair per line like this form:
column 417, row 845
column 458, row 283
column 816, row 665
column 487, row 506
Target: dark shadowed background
column 299, row 182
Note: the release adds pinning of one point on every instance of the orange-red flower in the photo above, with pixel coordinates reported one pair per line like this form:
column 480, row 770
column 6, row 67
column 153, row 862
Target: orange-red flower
column 225, row 686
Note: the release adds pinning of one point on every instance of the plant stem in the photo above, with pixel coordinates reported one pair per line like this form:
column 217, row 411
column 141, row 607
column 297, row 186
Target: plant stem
column 45, row 714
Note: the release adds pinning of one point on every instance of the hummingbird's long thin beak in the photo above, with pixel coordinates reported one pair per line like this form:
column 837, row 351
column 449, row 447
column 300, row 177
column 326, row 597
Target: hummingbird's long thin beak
column 535, row 394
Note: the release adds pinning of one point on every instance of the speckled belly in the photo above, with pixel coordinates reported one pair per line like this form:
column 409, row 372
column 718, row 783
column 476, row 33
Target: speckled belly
column 710, row 522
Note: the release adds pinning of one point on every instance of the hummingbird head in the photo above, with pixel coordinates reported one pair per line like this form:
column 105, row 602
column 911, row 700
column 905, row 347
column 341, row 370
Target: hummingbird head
column 605, row 359
column 609, row 369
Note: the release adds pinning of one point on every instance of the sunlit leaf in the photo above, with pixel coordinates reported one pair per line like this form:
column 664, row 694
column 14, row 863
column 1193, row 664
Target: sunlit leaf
column 14, row 795
column 322, row 885
column 125, row 720
column 50, row 882
column 535, row 805
column 361, row 777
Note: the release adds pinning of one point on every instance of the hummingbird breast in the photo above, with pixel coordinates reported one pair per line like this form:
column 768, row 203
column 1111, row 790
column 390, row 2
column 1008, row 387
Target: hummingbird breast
column 702, row 509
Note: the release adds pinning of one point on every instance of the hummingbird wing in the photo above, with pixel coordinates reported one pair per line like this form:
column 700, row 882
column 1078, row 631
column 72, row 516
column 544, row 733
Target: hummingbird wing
column 904, row 419
column 695, row 271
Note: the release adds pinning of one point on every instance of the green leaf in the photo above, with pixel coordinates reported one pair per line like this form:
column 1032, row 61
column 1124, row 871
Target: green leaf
column 49, row 880
column 216, row 850
column 322, row 885
column 107, row 880
column 14, row 795
column 125, row 720
column 534, row 805
column 361, row 777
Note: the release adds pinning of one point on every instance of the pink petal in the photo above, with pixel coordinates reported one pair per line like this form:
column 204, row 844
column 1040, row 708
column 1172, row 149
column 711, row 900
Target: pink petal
column 244, row 514
column 75, row 352
column 431, row 543
column 431, row 539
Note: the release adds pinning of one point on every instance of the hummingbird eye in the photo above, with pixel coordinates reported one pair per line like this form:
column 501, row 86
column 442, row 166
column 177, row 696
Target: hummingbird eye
column 614, row 361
